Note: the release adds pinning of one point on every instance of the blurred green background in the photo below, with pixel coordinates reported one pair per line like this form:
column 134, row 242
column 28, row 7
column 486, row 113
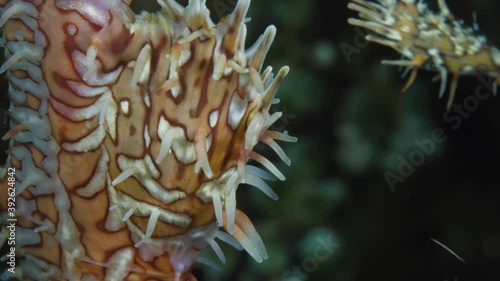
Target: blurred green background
column 354, row 125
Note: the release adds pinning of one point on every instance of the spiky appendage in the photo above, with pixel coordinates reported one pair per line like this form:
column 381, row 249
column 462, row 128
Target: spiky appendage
column 131, row 134
column 428, row 40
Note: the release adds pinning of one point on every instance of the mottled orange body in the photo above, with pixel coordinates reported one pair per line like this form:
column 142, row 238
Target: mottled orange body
column 131, row 134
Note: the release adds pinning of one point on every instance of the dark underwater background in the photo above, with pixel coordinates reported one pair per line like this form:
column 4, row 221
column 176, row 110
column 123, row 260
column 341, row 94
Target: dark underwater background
column 338, row 218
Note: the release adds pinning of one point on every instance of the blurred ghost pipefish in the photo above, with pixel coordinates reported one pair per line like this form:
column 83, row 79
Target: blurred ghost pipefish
column 428, row 40
column 130, row 135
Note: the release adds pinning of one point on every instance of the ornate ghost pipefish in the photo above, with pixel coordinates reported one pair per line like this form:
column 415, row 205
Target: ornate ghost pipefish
column 130, row 135
column 428, row 40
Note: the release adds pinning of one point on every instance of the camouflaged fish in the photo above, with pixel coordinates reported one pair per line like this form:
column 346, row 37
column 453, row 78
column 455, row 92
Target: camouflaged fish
column 130, row 135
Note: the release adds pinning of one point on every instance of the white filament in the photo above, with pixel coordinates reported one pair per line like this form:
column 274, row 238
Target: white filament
column 128, row 214
column 153, row 219
column 166, row 144
column 217, row 250
column 223, row 236
column 123, row 176
column 217, row 207
column 262, row 185
column 268, row 164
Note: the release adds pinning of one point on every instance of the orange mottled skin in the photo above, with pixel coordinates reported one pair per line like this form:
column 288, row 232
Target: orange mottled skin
column 136, row 109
